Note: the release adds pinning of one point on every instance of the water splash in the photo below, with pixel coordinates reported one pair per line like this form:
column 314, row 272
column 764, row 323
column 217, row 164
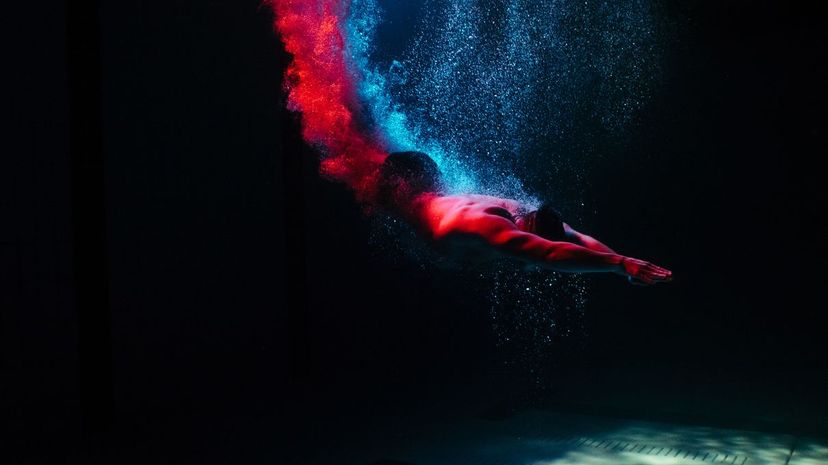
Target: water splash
column 506, row 93
column 390, row 119
column 501, row 93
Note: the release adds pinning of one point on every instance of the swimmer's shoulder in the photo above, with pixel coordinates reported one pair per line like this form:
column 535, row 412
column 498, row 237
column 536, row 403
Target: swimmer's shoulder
column 448, row 216
column 457, row 210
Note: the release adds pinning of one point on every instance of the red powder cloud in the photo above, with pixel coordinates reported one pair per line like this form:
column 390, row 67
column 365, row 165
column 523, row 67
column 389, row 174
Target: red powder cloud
column 320, row 87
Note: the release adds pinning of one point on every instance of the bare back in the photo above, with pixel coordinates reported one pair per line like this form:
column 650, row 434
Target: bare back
column 455, row 224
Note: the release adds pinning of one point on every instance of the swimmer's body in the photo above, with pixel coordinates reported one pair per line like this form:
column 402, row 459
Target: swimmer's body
column 477, row 228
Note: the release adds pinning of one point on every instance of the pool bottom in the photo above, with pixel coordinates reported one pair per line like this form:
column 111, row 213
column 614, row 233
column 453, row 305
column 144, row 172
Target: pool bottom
column 537, row 437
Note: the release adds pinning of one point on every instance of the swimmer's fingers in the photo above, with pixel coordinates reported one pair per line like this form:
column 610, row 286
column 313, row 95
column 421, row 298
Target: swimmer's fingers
column 661, row 278
column 663, row 271
column 646, row 272
column 654, row 276
column 660, row 273
column 666, row 276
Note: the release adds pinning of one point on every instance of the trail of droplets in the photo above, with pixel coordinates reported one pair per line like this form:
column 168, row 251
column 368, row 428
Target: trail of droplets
column 507, row 93
column 535, row 314
column 391, row 121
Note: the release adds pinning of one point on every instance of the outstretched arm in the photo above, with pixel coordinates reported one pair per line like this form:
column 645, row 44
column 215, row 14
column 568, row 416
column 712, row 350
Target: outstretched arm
column 562, row 256
column 559, row 256
column 594, row 244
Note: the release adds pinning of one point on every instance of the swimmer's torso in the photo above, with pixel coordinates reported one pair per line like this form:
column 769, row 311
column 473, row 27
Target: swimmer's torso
column 451, row 220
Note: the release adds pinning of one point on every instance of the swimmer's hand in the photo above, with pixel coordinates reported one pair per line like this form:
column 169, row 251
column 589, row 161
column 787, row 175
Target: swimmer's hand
column 643, row 273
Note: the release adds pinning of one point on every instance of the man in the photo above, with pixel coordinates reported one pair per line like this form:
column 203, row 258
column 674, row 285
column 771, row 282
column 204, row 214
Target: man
column 477, row 228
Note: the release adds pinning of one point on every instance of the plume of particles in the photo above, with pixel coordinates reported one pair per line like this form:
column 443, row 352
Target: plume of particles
column 504, row 93
column 321, row 88
column 500, row 93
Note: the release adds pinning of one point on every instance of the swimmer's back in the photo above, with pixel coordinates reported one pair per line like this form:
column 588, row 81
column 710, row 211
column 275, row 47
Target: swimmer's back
column 454, row 222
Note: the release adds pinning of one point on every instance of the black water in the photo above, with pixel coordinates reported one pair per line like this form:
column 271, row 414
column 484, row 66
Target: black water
column 251, row 320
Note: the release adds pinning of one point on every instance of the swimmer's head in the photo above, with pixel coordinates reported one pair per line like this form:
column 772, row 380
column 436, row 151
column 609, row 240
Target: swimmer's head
column 546, row 222
column 405, row 175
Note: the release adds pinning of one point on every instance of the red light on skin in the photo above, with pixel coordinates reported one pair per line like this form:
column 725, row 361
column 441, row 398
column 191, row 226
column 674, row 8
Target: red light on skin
column 478, row 228
column 320, row 87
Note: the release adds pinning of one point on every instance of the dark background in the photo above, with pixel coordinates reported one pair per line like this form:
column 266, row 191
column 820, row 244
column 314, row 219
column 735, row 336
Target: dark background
column 178, row 285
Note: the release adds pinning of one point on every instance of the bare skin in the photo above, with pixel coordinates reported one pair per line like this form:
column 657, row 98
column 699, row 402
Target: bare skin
column 478, row 228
